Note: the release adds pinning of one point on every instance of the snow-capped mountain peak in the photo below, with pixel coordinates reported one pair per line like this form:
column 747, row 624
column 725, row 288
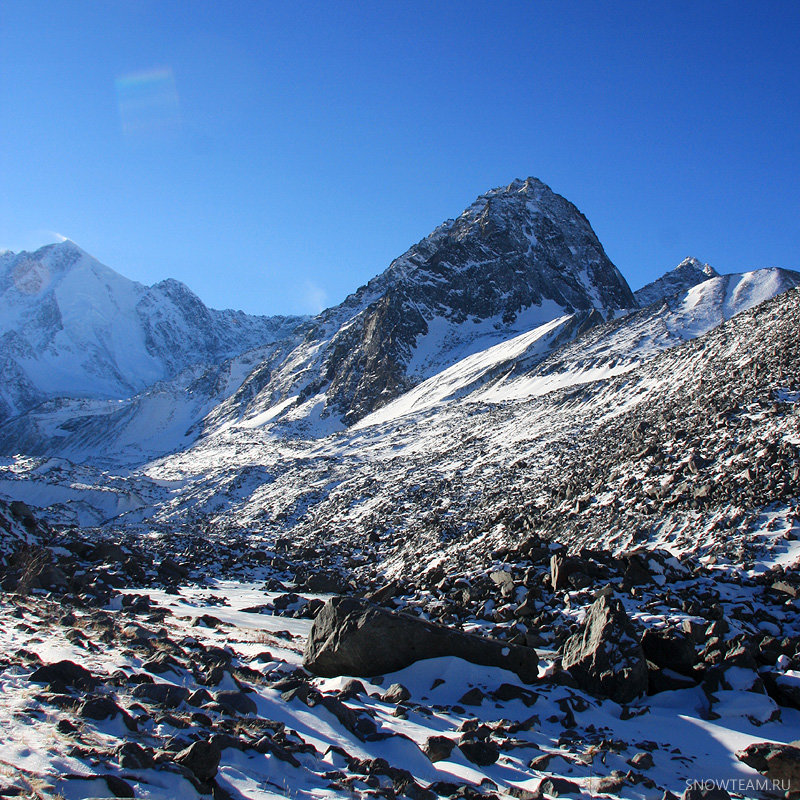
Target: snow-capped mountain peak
column 73, row 327
column 690, row 272
column 518, row 257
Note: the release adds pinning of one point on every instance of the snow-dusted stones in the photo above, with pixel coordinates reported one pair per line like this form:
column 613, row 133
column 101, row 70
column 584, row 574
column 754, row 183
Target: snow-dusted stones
column 605, row 656
column 201, row 759
column 438, row 748
column 352, row 637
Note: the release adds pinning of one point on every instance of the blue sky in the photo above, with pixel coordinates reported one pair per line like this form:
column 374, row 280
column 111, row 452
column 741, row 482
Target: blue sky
column 275, row 156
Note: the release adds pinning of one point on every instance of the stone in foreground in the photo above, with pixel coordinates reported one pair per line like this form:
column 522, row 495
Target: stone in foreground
column 605, row 656
column 352, row 637
column 778, row 762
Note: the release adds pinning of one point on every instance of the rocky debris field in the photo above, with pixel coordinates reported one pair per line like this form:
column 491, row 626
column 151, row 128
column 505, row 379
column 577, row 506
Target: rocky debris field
column 697, row 451
column 134, row 669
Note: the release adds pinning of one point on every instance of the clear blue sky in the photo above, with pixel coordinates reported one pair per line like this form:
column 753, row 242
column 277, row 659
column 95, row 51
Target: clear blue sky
column 275, row 156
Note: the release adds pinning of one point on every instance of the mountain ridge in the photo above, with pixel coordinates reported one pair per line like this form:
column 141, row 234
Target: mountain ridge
column 688, row 273
column 518, row 256
column 72, row 327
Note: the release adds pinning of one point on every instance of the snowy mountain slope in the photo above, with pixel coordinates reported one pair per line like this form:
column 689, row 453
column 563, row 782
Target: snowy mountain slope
column 171, row 415
column 688, row 273
column 560, row 354
column 518, row 257
column 454, row 481
column 442, row 460
column 72, row 327
column 167, row 416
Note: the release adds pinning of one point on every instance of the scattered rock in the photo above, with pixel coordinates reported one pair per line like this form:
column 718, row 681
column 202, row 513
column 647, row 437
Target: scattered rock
column 396, row 693
column 480, row 752
column 778, row 762
column 67, row 673
column 165, row 694
column 438, row 748
column 201, row 759
column 557, row 787
column 237, row 701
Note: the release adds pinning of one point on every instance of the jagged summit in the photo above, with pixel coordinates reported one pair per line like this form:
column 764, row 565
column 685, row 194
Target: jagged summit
column 691, row 261
column 514, row 246
column 688, row 273
column 517, row 257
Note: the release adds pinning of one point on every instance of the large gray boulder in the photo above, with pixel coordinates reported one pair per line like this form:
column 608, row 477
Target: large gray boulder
column 605, row 656
column 352, row 637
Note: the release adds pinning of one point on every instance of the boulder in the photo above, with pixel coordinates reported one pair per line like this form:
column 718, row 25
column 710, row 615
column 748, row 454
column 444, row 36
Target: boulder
column 66, row 672
column 480, row 752
column 352, row 637
column 237, row 701
column 396, row 693
column 668, row 648
column 557, row 787
column 438, row 748
column 778, row 762
column 201, row 759
column 165, row 694
column 605, row 656
column 99, row 708
column 561, row 568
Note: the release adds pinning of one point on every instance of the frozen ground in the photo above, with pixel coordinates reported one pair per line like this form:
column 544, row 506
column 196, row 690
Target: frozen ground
column 564, row 733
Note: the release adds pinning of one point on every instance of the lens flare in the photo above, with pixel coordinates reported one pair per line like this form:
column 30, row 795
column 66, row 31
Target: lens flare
column 148, row 102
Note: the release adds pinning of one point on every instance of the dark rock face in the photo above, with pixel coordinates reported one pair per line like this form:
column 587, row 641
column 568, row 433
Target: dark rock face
column 605, row 656
column 515, row 247
column 352, row 637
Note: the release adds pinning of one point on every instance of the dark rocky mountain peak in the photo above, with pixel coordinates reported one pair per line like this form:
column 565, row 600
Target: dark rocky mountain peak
column 519, row 256
column 688, row 273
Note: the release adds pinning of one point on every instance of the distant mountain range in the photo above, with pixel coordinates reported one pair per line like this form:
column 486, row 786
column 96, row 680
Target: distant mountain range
column 70, row 327
column 141, row 406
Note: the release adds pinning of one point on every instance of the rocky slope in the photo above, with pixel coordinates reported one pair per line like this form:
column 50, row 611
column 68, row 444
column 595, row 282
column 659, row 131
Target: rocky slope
column 688, row 273
column 70, row 327
column 131, row 671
